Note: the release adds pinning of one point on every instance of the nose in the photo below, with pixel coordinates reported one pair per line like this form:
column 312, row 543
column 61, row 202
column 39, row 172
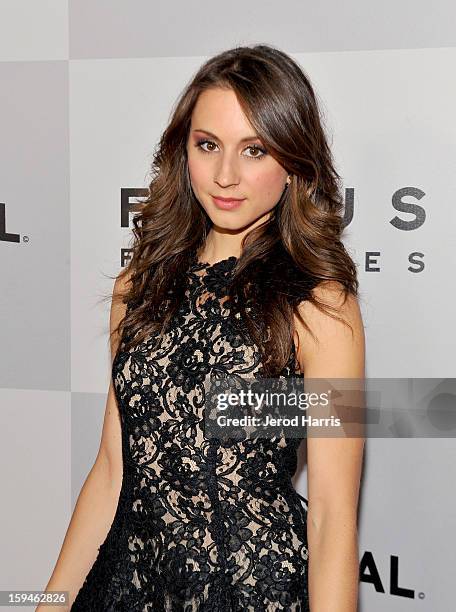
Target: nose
column 227, row 170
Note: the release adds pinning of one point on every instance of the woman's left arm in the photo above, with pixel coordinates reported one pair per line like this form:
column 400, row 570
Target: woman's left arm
column 333, row 464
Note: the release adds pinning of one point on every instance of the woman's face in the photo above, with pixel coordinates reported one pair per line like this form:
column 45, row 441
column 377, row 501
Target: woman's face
column 226, row 159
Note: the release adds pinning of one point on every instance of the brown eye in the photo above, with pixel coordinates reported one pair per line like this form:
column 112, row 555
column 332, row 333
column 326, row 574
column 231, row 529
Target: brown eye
column 200, row 144
column 257, row 150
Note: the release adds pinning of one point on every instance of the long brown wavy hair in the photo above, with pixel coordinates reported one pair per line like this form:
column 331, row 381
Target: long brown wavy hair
column 282, row 260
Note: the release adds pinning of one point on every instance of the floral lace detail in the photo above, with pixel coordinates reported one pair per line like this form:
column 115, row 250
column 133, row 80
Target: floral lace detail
column 200, row 525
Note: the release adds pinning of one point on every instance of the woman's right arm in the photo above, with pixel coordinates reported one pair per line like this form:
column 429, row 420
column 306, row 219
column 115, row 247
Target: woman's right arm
column 99, row 496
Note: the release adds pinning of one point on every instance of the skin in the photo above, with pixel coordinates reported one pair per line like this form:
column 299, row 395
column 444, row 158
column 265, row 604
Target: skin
column 229, row 168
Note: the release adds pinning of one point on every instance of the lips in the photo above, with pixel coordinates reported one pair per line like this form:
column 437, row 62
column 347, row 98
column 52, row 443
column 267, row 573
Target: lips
column 227, row 203
column 228, row 199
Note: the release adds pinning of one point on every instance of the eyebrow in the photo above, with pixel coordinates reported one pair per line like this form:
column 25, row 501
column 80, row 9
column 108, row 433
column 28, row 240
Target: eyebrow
column 246, row 139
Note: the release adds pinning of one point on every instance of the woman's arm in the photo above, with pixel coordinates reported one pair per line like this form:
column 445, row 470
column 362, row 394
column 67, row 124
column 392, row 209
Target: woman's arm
column 333, row 464
column 99, row 496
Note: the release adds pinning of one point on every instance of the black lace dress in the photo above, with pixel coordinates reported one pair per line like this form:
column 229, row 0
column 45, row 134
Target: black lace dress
column 199, row 525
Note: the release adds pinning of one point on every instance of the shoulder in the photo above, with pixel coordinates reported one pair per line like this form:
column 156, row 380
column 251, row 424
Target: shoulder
column 121, row 289
column 122, row 283
column 122, row 286
column 331, row 293
column 334, row 347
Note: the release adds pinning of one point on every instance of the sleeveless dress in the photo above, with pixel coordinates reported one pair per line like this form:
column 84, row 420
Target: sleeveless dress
column 200, row 525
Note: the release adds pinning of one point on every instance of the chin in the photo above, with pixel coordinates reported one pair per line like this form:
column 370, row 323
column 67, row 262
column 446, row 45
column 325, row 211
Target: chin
column 234, row 221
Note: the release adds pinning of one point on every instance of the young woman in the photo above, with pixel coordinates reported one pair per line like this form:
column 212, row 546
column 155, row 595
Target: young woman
column 238, row 269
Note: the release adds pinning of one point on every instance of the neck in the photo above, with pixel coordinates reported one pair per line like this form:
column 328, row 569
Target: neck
column 218, row 247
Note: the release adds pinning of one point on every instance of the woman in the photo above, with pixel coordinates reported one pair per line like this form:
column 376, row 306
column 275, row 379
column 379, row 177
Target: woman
column 238, row 269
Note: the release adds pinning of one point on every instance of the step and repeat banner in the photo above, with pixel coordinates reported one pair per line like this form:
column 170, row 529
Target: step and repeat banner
column 87, row 89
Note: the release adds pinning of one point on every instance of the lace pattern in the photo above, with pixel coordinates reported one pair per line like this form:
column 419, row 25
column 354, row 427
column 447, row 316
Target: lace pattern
column 199, row 525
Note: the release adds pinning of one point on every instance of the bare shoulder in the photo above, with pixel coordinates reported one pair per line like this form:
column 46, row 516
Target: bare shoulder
column 335, row 347
column 118, row 307
column 343, row 306
column 122, row 283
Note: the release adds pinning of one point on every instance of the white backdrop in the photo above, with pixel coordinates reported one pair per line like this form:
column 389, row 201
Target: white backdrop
column 87, row 88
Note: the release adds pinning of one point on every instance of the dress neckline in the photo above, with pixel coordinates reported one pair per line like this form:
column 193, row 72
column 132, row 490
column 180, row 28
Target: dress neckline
column 223, row 264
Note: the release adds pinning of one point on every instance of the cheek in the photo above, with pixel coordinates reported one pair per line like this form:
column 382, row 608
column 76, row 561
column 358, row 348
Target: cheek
column 197, row 170
column 269, row 182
